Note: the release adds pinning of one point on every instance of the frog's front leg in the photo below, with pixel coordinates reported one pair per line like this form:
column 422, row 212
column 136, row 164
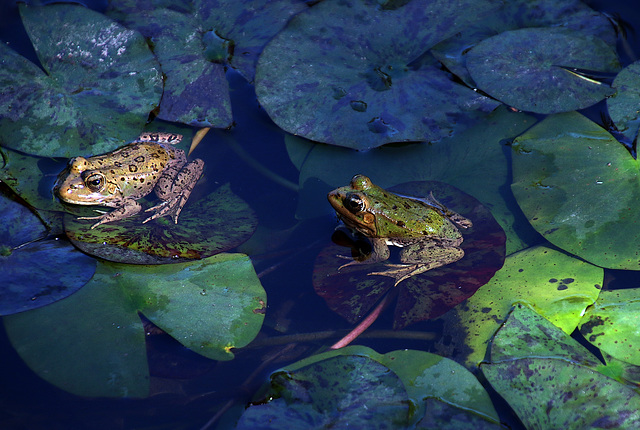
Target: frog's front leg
column 423, row 256
column 174, row 187
column 129, row 208
column 379, row 252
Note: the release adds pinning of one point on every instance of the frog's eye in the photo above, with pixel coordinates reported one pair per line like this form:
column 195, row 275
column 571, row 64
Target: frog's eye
column 95, row 182
column 354, row 203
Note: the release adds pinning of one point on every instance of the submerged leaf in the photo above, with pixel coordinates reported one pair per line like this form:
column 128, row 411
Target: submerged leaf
column 526, row 69
column 624, row 105
column 99, row 85
column 354, row 74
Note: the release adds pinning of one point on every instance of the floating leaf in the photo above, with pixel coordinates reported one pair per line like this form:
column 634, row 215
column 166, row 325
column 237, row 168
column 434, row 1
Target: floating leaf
column 361, row 86
column 526, row 69
column 95, row 342
column 611, row 324
column 328, row 389
column 99, row 85
column 32, row 273
column 549, row 380
column 196, row 90
column 559, row 287
column 459, row 160
column 579, row 188
column 514, row 14
column 216, row 223
column 350, row 292
column 624, row 105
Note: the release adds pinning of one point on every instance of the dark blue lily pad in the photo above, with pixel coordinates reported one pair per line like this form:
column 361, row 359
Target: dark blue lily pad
column 357, row 74
column 100, row 82
column 36, row 271
column 527, row 69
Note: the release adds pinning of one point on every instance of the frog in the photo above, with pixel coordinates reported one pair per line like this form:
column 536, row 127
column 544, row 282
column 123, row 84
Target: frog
column 427, row 231
column 119, row 178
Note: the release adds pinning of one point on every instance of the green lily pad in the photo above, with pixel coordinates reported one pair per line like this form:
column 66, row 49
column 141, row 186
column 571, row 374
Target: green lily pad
column 32, row 273
column 514, row 14
column 549, row 380
column 611, row 324
column 196, row 91
column 99, row 85
column 216, row 223
column 351, row 292
column 330, row 388
column 558, row 286
column 579, row 188
column 94, row 341
column 459, row 160
column 525, row 69
column 624, row 105
column 369, row 85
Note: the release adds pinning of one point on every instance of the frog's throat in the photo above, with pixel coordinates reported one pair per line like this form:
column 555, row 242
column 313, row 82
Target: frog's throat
column 365, row 225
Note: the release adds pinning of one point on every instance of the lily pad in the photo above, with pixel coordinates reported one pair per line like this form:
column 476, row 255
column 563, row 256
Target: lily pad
column 624, row 105
column 32, row 275
column 196, row 91
column 364, row 85
column 216, row 223
column 611, row 324
column 514, row 14
column 328, row 389
column 526, row 69
column 459, row 160
column 549, row 380
column 100, row 82
column 95, row 342
column 557, row 286
column 578, row 187
column 351, row 292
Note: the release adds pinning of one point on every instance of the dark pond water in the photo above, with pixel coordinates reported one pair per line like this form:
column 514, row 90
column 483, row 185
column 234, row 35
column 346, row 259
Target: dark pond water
column 189, row 390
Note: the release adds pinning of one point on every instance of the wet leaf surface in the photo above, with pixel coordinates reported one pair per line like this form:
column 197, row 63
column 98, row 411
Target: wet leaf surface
column 578, row 187
column 557, row 286
column 95, row 341
column 215, row 223
column 524, row 69
column 549, row 380
column 351, row 292
column 361, row 87
column 36, row 270
column 100, row 82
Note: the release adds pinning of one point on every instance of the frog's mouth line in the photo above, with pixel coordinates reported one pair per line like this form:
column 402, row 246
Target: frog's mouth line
column 356, row 221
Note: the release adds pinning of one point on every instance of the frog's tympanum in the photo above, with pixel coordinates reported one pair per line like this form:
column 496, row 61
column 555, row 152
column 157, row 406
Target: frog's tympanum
column 117, row 179
column 426, row 230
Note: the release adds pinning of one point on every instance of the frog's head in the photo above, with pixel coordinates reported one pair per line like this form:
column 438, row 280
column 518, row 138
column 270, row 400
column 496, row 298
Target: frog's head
column 353, row 204
column 81, row 184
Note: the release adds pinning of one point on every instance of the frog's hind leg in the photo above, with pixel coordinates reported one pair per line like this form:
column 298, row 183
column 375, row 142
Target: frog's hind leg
column 174, row 188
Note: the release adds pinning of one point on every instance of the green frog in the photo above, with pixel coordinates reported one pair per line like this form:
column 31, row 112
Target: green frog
column 426, row 230
column 119, row 178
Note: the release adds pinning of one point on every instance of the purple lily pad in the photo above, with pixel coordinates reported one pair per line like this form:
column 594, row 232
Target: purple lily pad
column 351, row 292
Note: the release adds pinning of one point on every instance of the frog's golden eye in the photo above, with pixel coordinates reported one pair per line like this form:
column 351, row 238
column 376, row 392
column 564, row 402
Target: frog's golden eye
column 354, row 203
column 95, row 182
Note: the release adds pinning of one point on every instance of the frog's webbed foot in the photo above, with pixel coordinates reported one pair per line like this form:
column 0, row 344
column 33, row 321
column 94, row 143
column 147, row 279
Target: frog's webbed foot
column 129, row 209
column 400, row 272
column 170, row 208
